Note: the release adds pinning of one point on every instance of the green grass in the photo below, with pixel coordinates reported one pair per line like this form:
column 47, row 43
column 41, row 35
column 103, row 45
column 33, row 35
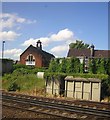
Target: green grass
column 26, row 82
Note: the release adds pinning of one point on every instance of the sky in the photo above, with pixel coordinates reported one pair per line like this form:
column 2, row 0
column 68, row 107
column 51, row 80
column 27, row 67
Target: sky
column 55, row 24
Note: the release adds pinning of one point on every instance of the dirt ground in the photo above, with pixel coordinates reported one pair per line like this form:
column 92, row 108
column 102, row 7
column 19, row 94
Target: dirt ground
column 17, row 114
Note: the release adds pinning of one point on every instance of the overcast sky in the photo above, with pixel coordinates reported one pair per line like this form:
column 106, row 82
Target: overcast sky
column 55, row 24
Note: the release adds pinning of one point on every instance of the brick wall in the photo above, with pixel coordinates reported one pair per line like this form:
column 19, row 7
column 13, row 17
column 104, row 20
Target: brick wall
column 38, row 58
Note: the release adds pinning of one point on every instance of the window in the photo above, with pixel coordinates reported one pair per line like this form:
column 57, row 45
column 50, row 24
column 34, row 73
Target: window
column 86, row 63
column 30, row 60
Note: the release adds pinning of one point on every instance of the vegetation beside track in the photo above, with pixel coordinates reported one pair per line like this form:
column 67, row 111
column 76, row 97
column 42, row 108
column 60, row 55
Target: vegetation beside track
column 23, row 79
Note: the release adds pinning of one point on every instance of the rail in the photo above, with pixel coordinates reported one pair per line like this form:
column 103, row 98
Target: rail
column 58, row 105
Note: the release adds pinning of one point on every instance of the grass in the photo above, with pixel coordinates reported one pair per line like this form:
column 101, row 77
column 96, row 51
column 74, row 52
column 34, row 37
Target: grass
column 26, row 82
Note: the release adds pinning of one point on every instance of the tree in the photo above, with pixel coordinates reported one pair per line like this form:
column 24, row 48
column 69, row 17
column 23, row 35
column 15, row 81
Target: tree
column 82, row 67
column 108, row 66
column 76, row 65
column 92, row 66
column 68, row 67
column 62, row 66
column 101, row 66
column 53, row 65
column 79, row 45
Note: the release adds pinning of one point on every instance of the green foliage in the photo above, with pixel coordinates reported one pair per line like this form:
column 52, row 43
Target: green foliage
column 26, row 79
column 53, row 65
column 82, row 68
column 16, row 66
column 56, row 75
column 92, row 66
column 79, row 45
column 101, row 66
column 73, row 65
column 103, row 77
column 108, row 66
column 62, row 66
column 76, row 62
column 105, row 88
column 23, row 78
column 65, row 65
column 13, row 87
column 25, row 82
column 24, row 69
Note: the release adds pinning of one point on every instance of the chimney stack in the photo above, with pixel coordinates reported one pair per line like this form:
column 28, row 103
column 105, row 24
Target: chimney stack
column 92, row 50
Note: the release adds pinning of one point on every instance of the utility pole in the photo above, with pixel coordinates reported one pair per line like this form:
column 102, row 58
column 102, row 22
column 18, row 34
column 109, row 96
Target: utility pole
column 3, row 42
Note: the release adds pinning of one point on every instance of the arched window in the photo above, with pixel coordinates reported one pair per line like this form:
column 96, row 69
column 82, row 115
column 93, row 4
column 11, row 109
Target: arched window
column 30, row 57
column 30, row 60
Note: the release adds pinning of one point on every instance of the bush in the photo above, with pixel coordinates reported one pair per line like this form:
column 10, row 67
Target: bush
column 103, row 77
column 73, row 65
column 65, row 65
column 22, row 82
column 13, row 87
column 22, row 66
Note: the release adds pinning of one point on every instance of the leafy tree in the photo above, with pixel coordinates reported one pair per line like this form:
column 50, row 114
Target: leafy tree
column 68, row 65
column 101, row 66
column 62, row 66
column 108, row 66
column 53, row 65
column 79, row 45
column 76, row 65
column 92, row 66
column 82, row 67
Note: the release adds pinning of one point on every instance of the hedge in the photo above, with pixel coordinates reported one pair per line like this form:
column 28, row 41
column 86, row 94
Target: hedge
column 84, row 75
column 73, row 65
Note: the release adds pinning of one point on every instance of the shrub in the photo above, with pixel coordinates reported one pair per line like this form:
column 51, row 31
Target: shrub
column 13, row 87
column 103, row 77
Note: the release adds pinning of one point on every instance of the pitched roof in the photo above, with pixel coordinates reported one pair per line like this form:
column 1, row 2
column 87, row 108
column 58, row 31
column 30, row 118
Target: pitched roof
column 37, row 50
column 102, row 53
column 78, row 52
column 73, row 52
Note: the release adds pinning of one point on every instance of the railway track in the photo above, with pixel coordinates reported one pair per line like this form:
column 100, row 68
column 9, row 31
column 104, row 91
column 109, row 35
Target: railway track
column 53, row 113
column 83, row 103
column 50, row 106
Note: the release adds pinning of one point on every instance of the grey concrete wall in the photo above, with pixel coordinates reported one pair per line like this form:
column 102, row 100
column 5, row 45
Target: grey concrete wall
column 53, row 87
column 86, row 90
column 83, row 90
column 96, row 91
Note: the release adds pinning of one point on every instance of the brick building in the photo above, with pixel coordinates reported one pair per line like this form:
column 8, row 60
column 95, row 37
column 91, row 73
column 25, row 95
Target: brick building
column 88, row 53
column 85, row 54
column 35, row 56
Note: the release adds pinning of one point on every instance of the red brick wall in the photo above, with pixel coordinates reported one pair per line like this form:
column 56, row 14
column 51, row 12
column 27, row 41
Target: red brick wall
column 38, row 58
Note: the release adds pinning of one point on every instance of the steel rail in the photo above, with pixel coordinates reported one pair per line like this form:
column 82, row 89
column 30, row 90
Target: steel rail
column 55, row 99
column 37, row 111
column 90, row 111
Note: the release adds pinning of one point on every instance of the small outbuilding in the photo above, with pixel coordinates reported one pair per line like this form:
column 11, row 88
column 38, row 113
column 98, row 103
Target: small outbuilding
column 76, row 88
column 83, row 88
